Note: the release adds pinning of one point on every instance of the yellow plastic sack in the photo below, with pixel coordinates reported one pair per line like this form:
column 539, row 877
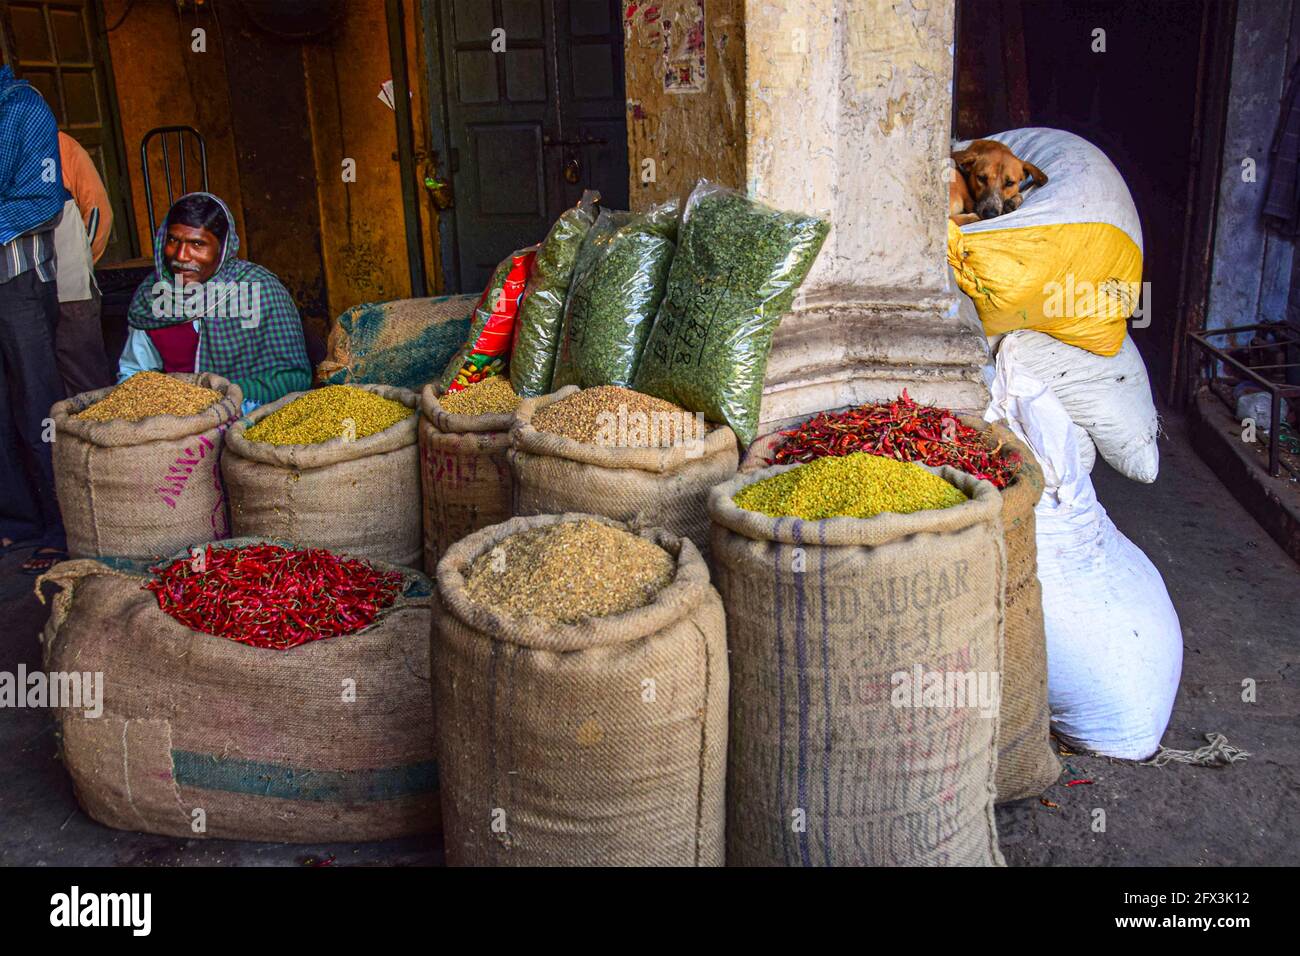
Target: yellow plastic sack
column 1068, row 262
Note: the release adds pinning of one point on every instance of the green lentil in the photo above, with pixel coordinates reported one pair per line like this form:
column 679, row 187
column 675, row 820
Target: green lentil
column 737, row 269
column 618, row 283
column 618, row 417
column 854, row 486
column 325, row 413
column 150, row 393
column 493, row 395
column 537, row 329
column 569, row 572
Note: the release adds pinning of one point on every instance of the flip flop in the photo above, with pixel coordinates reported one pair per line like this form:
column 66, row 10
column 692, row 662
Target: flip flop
column 39, row 563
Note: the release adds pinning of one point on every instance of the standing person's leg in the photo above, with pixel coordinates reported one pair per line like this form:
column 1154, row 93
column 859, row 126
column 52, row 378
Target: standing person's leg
column 79, row 346
column 27, row 333
column 20, row 513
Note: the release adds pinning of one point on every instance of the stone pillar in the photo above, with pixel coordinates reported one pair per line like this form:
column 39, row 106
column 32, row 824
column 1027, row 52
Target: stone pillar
column 847, row 114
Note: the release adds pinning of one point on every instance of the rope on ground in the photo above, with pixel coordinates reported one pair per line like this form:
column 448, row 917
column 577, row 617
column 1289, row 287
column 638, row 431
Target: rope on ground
column 1217, row 753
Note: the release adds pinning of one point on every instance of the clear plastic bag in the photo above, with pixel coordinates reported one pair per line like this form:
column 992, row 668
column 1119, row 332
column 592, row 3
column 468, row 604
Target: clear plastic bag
column 737, row 268
column 537, row 329
column 618, row 284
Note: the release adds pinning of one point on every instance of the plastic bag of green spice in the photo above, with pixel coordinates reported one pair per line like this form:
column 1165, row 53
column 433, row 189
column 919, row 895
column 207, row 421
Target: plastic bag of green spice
column 736, row 271
column 537, row 330
column 618, row 284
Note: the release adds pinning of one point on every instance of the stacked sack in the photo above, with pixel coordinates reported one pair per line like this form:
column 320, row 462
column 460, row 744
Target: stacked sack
column 1057, row 280
column 1114, row 645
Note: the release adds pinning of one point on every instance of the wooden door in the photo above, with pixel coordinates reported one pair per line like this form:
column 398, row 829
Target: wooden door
column 526, row 128
column 55, row 46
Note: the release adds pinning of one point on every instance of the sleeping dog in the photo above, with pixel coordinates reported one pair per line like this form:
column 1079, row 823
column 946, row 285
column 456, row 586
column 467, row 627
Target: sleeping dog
column 986, row 182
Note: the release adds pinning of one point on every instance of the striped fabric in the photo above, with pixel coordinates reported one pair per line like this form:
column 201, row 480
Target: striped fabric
column 35, row 250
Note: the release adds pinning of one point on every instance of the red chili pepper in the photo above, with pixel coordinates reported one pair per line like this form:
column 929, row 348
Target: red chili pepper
column 274, row 597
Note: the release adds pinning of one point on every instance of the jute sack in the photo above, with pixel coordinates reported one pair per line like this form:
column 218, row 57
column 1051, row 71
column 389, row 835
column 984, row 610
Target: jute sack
column 1026, row 764
column 146, row 488
column 599, row 743
column 358, row 496
column 648, row 487
column 835, row 630
column 464, row 475
column 265, row 742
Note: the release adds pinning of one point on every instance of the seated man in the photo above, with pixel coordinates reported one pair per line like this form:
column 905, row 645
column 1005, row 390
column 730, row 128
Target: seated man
column 205, row 310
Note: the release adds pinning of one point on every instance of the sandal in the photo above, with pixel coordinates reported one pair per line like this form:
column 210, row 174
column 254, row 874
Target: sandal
column 42, row 560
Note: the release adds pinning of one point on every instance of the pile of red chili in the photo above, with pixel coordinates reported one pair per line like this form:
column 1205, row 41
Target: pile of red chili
column 903, row 430
column 269, row 596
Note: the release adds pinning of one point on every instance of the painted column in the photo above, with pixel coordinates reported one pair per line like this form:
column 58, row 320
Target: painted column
column 847, row 114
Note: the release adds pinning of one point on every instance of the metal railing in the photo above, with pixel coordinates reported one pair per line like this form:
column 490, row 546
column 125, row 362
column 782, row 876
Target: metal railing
column 1289, row 340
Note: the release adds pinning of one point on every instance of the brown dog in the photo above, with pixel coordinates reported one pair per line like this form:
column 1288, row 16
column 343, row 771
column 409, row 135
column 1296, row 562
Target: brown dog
column 986, row 182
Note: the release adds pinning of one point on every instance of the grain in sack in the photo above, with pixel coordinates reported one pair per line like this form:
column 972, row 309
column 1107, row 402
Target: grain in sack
column 465, row 476
column 1026, row 764
column 612, row 472
column 601, row 742
column 864, row 656
column 200, row 736
column 358, row 492
column 142, row 487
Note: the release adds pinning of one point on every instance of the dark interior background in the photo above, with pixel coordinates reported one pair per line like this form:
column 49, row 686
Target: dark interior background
column 1032, row 64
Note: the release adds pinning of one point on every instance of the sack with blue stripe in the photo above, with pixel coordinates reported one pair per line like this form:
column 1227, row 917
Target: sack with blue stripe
column 866, row 658
column 195, row 735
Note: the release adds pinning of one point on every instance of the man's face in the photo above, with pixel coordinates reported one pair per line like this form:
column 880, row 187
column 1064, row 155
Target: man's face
column 191, row 253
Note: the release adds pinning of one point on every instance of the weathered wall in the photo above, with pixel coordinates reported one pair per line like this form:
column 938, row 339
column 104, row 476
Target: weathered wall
column 688, row 134
column 161, row 81
column 1252, row 266
column 848, row 115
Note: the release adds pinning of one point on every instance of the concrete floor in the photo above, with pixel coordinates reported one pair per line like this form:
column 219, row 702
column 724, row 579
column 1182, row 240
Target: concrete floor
column 1238, row 596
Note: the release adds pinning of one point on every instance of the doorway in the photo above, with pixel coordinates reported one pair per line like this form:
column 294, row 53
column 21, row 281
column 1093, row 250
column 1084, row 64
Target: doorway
column 1130, row 89
column 526, row 103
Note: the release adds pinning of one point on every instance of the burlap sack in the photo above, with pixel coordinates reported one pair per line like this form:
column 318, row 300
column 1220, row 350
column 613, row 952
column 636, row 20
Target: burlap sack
column 361, row 497
column 265, row 743
column 647, row 487
column 600, row 743
column 147, row 488
column 836, row 629
column 1026, row 764
column 464, row 475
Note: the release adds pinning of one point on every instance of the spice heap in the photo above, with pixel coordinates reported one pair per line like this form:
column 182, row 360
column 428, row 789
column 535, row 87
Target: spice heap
column 268, row 596
column 902, row 430
column 853, row 486
column 150, row 393
column 492, row 395
column 619, row 418
column 570, row 571
column 326, row 413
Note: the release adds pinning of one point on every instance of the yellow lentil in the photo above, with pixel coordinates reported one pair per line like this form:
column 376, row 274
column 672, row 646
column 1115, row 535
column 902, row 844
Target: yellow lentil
column 618, row 417
column 854, row 486
column 569, row 572
column 150, row 393
column 326, row 413
column 492, row 395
